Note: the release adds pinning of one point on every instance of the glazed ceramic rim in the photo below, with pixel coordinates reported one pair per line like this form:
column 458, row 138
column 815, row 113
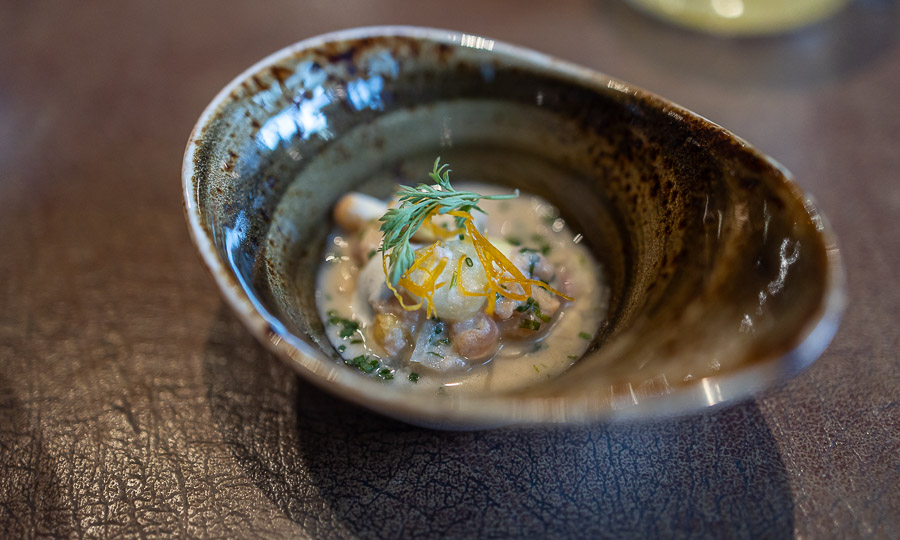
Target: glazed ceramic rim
column 475, row 410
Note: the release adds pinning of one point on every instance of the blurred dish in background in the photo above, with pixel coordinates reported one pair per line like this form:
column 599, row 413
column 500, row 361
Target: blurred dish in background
column 741, row 17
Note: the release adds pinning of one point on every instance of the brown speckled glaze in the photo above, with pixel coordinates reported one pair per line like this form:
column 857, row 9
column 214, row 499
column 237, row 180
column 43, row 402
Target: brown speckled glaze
column 723, row 277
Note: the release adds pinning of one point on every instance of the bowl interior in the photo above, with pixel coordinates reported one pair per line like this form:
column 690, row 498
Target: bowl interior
column 713, row 258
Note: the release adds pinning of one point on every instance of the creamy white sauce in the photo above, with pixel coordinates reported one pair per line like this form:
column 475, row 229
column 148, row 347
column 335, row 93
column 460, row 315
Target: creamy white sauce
column 529, row 221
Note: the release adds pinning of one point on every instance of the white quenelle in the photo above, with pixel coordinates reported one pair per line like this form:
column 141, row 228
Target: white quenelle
column 449, row 301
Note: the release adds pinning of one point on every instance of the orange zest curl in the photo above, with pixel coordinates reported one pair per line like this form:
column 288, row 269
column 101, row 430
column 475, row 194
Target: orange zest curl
column 439, row 232
column 425, row 289
column 501, row 273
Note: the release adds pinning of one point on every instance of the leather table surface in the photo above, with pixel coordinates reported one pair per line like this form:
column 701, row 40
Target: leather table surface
column 133, row 404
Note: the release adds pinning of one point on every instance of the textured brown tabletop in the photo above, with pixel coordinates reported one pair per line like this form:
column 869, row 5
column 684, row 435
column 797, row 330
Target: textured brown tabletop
column 132, row 403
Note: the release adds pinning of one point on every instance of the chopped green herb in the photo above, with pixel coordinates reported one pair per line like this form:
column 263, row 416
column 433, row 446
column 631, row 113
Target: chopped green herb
column 531, row 306
column 432, row 353
column 372, row 253
column 462, row 236
column 585, row 335
column 469, row 262
column 545, row 249
column 537, row 237
column 370, row 365
column 445, row 341
column 331, row 313
column 355, row 341
column 572, row 357
column 536, row 370
column 349, row 328
column 363, row 363
column 531, row 264
column 453, row 280
column 513, row 240
column 438, row 328
column 529, row 324
column 526, row 306
column 414, row 377
column 342, row 348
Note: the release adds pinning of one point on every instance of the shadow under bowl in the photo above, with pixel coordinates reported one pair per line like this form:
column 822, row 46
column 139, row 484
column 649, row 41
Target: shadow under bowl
column 723, row 277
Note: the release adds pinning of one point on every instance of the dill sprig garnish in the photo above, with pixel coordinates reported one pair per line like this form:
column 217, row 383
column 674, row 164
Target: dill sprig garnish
column 418, row 204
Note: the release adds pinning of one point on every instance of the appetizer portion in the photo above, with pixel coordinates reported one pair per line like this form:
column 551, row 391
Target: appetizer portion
column 447, row 288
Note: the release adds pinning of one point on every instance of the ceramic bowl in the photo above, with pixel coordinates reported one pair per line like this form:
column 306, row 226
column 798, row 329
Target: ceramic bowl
column 723, row 277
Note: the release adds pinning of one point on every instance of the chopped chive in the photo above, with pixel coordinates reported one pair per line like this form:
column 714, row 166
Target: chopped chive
column 363, row 363
column 453, row 280
column 386, row 374
column 534, row 307
column 585, row 335
column 366, row 368
column 445, row 341
column 529, row 324
column 526, row 306
column 355, row 341
column 462, row 236
column 414, row 377
column 469, row 262
column 536, row 370
column 432, row 353
column 348, row 328
column 372, row 253
column 342, row 348
column 572, row 357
